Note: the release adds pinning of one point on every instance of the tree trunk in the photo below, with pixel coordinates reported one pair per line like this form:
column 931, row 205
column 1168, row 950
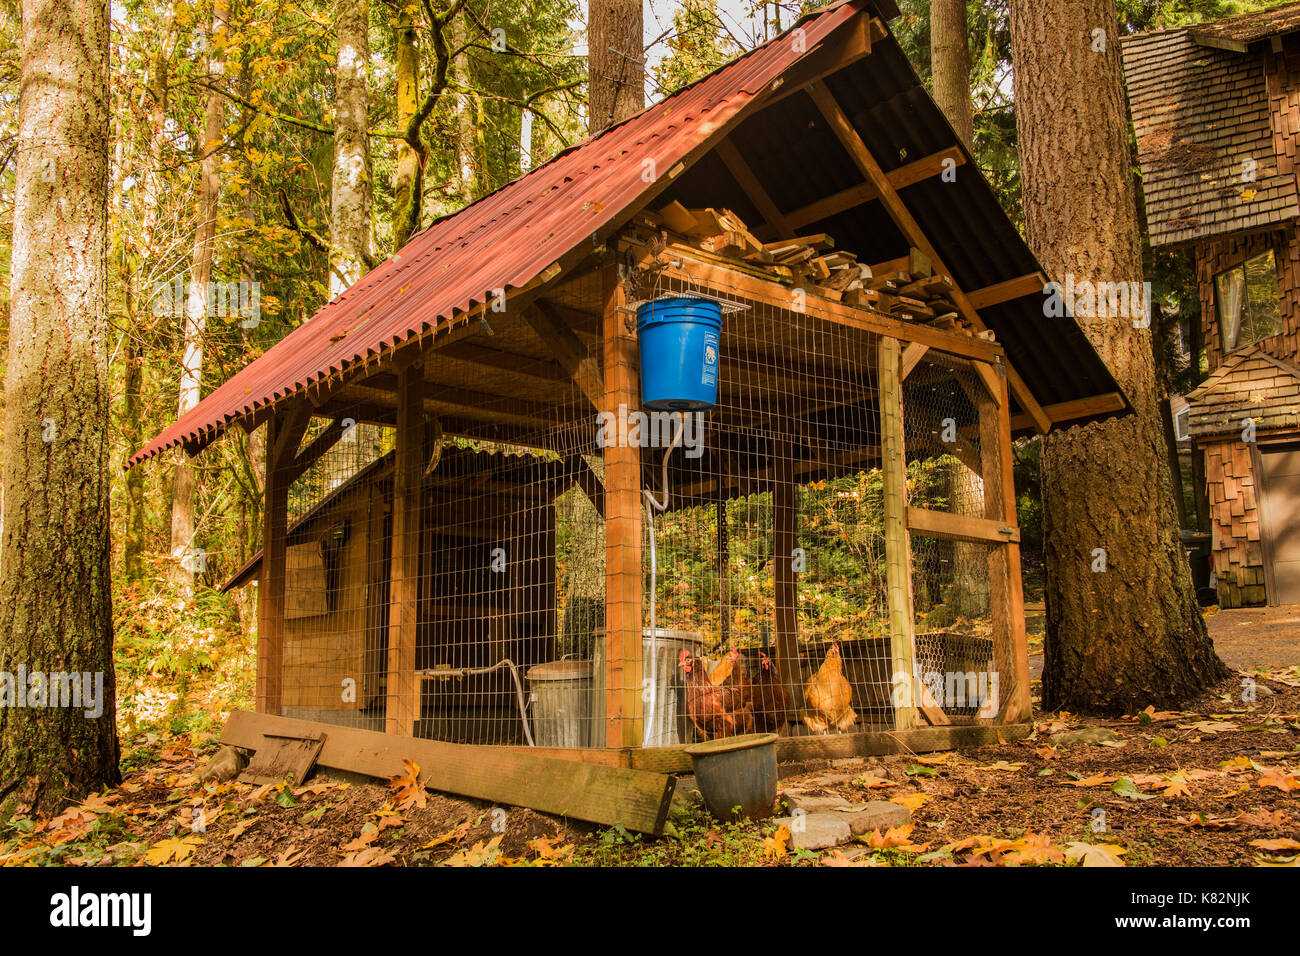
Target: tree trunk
column 408, row 186
column 950, row 64
column 467, row 159
column 968, row 594
column 185, row 485
column 615, row 62
column 1130, row 635
column 55, row 599
column 350, row 191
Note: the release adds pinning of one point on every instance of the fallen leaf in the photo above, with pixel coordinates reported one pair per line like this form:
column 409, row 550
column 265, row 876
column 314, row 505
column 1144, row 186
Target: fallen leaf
column 774, row 847
column 1095, row 854
column 370, row 856
column 410, row 791
column 913, row 801
column 1276, row 777
column 173, row 850
column 481, row 854
column 1282, row 843
column 1097, row 781
column 1262, row 818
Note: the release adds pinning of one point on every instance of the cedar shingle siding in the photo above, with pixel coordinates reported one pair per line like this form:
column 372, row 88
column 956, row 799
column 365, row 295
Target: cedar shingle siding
column 1198, row 113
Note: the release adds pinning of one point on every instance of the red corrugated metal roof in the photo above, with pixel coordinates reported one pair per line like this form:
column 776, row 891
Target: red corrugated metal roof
column 504, row 241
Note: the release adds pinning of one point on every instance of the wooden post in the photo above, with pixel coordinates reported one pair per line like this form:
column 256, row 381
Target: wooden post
column 623, row 504
column 1006, row 599
column 283, row 433
column 784, row 540
column 898, row 545
column 403, row 691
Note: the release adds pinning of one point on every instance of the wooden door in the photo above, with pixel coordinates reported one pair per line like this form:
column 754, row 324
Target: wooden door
column 1281, row 501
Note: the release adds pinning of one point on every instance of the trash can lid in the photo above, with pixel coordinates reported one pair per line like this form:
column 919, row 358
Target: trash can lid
column 560, row 670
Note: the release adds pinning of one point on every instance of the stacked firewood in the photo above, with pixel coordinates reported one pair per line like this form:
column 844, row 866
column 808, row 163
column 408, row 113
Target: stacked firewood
column 906, row 288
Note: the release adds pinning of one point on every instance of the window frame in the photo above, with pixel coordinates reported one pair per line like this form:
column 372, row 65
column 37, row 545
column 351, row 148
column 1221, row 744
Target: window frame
column 1244, row 314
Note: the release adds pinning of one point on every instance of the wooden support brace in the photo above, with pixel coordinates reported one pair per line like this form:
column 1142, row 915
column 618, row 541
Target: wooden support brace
column 898, row 549
column 784, row 541
column 567, row 349
column 284, row 432
column 403, row 709
column 623, row 517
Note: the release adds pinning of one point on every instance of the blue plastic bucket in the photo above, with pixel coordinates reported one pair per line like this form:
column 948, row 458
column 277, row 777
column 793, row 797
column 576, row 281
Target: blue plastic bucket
column 679, row 353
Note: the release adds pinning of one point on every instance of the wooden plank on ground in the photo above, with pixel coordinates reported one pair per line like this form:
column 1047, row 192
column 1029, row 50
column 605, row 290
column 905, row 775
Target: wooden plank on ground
column 637, row 799
column 283, row 756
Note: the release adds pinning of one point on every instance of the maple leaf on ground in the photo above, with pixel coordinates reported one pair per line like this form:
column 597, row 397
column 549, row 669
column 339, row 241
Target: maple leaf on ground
column 838, row 858
column 899, row 837
column 409, row 790
column 369, row 833
column 387, row 819
column 1276, row 777
column 1031, row 848
column 1095, row 854
column 913, row 801
column 1175, row 786
column 453, row 835
column 870, row 782
column 1047, row 752
column 550, row 851
column 1201, row 820
column 1282, row 843
column 370, row 856
column 100, row 803
column 1262, row 818
column 1096, row 781
column 1002, row 765
column 173, row 850
column 288, row 858
column 1211, row 726
column 774, row 847
column 481, row 854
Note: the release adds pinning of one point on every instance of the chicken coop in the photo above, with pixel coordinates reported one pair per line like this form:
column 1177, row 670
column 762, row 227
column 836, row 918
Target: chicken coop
column 703, row 427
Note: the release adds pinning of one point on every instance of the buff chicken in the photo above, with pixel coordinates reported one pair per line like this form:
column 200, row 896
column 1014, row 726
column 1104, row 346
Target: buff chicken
column 828, row 697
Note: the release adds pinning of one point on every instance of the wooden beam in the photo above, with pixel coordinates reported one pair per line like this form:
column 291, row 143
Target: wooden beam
column 1006, row 599
column 838, row 313
column 582, row 789
column 1074, row 410
column 958, row 527
column 283, row 433
column 990, row 379
column 911, row 229
column 1016, row 288
column 926, row 167
column 318, row 446
column 403, row 708
column 912, row 356
column 568, row 350
column 623, row 510
column 749, row 184
column 898, row 549
column 846, row 46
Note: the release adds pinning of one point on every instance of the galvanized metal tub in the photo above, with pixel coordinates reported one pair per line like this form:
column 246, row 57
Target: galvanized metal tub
column 560, row 693
column 667, row 724
column 737, row 776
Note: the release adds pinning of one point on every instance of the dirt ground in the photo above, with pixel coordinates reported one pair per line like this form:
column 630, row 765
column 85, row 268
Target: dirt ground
column 1215, row 784
column 1247, row 639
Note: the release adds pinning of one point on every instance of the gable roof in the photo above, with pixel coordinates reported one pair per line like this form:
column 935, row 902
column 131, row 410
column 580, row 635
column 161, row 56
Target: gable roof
column 1250, row 383
column 531, row 230
column 1198, row 113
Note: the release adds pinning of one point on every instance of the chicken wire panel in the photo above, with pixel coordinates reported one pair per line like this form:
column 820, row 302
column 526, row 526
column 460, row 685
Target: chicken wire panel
column 950, row 432
column 334, row 629
column 773, row 530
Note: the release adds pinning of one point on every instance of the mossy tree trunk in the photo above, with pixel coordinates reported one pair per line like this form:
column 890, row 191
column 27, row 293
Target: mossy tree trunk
column 55, row 600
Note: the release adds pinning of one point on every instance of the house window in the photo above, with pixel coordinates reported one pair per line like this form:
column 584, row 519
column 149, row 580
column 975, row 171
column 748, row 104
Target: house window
column 1246, row 296
column 1181, row 421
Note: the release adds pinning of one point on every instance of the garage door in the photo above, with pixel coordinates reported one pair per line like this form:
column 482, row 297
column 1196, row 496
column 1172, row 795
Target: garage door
column 1282, row 500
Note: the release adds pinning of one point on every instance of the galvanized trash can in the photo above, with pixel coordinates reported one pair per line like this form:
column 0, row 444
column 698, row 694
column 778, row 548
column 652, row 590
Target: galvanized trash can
column 667, row 724
column 560, row 694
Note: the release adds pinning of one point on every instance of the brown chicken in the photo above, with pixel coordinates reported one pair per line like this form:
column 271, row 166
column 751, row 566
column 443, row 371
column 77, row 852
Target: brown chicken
column 827, row 697
column 720, row 711
column 771, row 698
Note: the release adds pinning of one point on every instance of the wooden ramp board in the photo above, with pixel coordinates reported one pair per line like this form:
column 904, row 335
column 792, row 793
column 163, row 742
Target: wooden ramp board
column 638, row 799
column 283, row 756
